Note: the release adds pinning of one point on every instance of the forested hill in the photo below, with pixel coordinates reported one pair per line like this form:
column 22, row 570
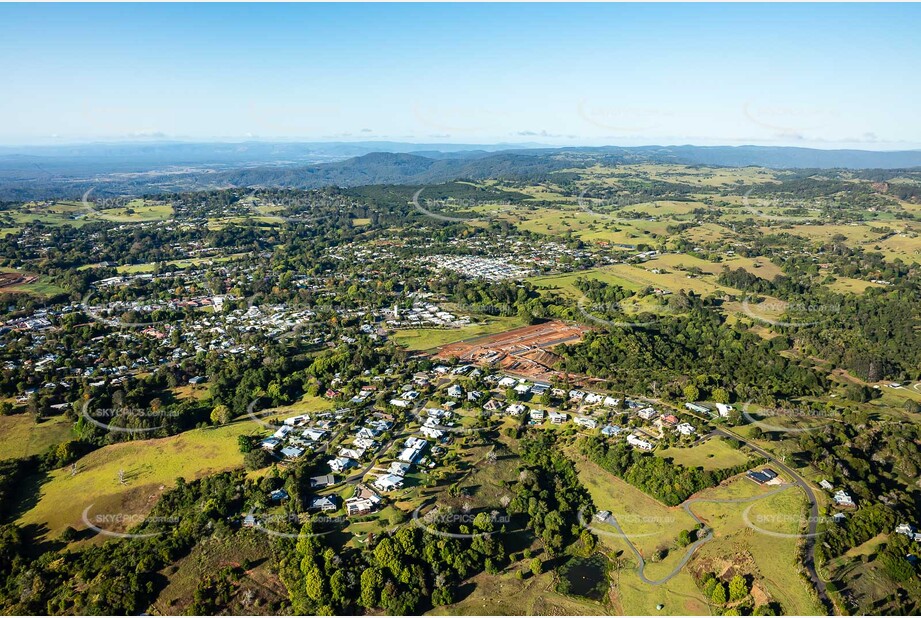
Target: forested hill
column 38, row 173
column 396, row 168
column 405, row 168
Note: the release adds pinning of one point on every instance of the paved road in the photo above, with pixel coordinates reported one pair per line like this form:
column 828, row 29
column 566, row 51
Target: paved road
column 686, row 505
column 809, row 540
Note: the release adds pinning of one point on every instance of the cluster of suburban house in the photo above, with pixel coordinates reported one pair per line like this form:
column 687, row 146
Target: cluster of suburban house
column 425, row 314
column 491, row 269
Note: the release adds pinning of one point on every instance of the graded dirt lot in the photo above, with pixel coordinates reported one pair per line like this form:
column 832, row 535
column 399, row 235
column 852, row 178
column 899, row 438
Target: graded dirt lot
column 524, row 350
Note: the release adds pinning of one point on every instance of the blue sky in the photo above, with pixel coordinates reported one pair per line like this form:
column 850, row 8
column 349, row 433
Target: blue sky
column 825, row 75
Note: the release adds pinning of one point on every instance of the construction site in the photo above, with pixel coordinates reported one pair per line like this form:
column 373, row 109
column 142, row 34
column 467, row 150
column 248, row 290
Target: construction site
column 525, row 351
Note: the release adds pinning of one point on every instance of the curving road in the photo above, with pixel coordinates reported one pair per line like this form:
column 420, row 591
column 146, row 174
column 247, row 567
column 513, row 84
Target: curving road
column 809, row 540
column 686, row 505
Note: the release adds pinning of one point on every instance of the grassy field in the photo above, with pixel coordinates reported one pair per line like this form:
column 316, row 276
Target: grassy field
column 760, row 267
column 136, row 211
column 21, row 436
column 565, row 284
column 772, row 560
column 649, row 523
column 149, row 467
column 714, row 454
column 844, row 285
column 428, row 338
column 307, row 403
column 258, row 583
column 673, row 281
column 41, row 287
column 637, row 278
column 506, row 595
column 149, row 267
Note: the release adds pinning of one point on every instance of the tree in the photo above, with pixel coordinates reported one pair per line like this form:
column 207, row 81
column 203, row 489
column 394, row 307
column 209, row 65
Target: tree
column 337, row 586
column 256, row 459
column 537, row 567
column 738, row 588
column 221, row 415
column 719, row 593
column 691, row 392
column 720, row 395
column 372, row 582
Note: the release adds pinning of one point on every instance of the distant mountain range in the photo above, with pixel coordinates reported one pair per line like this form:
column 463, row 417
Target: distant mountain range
column 134, row 168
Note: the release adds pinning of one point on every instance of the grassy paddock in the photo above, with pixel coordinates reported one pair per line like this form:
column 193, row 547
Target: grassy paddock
column 149, row 466
column 21, row 436
column 714, row 454
column 427, row 338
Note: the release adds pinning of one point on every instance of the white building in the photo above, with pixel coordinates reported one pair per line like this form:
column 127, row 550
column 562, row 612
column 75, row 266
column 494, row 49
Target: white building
column 639, row 443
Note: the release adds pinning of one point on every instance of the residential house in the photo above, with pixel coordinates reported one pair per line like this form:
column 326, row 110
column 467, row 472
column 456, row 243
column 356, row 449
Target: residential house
column 696, row 407
column 323, row 503
column 389, row 482
column 455, row 390
column 292, row 452
column 412, row 450
column 761, row 477
column 492, row 405
column 647, row 414
column 584, row 421
column 639, row 443
column 399, row 468
column 319, row 482
column 314, row 434
column 351, row 453
column 909, row 531
column 340, row 464
column 270, row 444
column 557, row 418
column 363, row 502
column 842, row 498
column 669, row 420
